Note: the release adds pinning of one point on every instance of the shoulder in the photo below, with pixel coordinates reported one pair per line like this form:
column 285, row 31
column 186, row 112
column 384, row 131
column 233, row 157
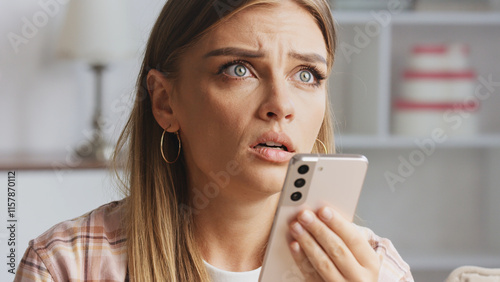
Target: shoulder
column 393, row 267
column 89, row 247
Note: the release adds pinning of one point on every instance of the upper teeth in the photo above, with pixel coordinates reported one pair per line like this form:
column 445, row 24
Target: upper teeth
column 270, row 143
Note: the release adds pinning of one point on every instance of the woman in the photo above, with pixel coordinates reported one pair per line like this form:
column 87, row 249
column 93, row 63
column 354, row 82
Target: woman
column 228, row 92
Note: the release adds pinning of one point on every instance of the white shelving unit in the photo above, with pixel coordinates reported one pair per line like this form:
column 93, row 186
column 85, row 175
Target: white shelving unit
column 444, row 210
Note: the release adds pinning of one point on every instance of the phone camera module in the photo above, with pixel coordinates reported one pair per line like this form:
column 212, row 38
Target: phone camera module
column 300, row 182
column 296, row 196
column 303, row 169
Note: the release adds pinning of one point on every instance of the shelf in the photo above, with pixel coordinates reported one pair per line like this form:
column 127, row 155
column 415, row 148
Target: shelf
column 486, row 18
column 392, row 142
column 456, row 18
column 46, row 161
column 448, row 206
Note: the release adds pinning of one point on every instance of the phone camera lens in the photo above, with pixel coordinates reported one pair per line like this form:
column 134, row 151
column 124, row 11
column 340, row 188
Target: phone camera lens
column 303, row 169
column 296, row 196
column 300, row 182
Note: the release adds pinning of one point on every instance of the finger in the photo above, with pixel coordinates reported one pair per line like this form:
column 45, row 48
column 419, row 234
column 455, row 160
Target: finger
column 303, row 263
column 321, row 262
column 331, row 243
column 354, row 240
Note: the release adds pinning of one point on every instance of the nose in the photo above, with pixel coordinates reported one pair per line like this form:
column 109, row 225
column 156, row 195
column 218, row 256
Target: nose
column 277, row 103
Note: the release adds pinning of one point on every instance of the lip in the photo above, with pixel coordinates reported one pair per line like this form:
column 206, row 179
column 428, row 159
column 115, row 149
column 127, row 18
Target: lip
column 270, row 154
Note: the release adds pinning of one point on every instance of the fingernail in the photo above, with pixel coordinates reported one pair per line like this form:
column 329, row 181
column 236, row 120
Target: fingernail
column 326, row 214
column 306, row 217
column 295, row 246
column 297, row 228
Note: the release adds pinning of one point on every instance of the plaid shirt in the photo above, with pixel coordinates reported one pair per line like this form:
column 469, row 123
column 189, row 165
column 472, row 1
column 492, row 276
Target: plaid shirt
column 92, row 248
column 89, row 248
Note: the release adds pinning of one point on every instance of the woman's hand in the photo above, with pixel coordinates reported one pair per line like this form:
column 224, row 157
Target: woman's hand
column 329, row 248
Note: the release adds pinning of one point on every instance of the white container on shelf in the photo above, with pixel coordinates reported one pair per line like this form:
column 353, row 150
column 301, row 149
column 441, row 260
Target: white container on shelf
column 419, row 119
column 420, row 86
column 428, row 58
column 437, row 92
column 439, row 57
column 458, row 57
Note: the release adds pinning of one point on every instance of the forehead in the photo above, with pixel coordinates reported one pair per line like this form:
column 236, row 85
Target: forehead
column 285, row 25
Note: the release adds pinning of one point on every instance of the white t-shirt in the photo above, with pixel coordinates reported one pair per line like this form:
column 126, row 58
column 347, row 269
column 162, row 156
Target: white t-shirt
column 219, row 275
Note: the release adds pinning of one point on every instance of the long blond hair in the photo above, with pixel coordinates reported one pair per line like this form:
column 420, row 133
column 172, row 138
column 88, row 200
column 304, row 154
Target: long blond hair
column 158, row 226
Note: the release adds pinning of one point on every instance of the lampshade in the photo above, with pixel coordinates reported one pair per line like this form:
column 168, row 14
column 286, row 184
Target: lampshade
column 97, row 31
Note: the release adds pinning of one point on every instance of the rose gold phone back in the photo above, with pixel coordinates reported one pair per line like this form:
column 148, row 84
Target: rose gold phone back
column 333, row 180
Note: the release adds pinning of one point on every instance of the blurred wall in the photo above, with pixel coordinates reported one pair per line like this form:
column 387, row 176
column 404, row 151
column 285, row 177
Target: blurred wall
column 46, row 106
column 46, row 101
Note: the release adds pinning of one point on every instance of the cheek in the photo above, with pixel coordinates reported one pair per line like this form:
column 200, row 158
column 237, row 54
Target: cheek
column 314, row 110
column 210, row 121
column 229, row 106
column 316, row 122
column 211, row 103
column 224, row 115
column 311, row 117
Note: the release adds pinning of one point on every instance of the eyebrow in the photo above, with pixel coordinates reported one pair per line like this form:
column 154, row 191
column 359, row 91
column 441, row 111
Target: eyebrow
column 309, row 57
column 232, row 51
column 238, row 52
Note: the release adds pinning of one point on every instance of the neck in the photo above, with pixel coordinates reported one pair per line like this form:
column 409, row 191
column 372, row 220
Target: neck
column 232, row 232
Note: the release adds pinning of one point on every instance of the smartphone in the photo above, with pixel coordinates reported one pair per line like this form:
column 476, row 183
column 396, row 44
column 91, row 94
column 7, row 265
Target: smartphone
column 312, row 181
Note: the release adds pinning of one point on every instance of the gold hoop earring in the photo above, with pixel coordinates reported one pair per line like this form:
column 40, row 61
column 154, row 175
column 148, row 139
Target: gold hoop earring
column 322, row 144
column 161, row 147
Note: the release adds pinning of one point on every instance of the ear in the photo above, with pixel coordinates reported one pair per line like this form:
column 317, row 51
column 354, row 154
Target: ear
column 160, row 90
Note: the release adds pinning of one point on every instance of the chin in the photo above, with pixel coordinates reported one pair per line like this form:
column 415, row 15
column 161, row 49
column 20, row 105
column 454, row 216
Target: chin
column 272, row 180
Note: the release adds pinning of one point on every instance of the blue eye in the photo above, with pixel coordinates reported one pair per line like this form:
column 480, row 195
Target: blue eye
column 309, row 76
column 306, row 76
column 238, row 70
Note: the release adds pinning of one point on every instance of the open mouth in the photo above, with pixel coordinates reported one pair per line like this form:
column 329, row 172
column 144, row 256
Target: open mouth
column 272, row 145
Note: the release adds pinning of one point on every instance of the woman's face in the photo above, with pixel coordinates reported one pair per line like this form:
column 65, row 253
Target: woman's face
column 250, row 95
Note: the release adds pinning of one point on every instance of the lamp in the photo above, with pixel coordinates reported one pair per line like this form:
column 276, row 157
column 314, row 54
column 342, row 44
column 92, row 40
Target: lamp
column 97, row 32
